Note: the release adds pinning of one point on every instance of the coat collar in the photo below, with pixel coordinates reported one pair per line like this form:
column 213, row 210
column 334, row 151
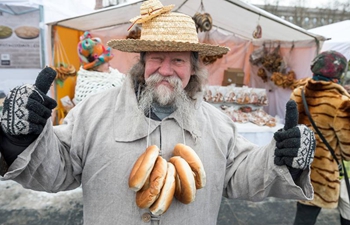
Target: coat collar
column 329, row 85
column 131, row 124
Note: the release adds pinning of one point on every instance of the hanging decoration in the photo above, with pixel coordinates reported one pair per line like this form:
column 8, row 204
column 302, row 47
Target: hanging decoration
column 204, row 23
column 203, row 20
column 61, row 62
column 134, row 33
column 257, row 33
column 210, row 59
column 272, row 67
column 207, row 60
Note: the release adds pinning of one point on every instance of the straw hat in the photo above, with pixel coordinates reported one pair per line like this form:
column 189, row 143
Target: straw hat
column 166, row 31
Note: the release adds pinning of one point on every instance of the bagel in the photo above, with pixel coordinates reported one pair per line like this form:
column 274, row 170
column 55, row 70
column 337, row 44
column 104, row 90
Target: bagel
column 191, row 157
column 151, row 190
column 143, row 167
column 185, row 185
column 166, row 195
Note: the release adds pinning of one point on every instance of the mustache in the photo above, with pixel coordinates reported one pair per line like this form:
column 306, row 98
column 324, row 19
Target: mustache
column 155, row 78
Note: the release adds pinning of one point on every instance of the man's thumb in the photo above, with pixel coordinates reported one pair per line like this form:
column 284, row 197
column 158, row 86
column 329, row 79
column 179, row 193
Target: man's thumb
column 45, row 79
column 292, row 114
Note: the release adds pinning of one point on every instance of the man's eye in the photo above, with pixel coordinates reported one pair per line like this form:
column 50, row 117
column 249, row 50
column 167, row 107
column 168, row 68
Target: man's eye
column 179, row 60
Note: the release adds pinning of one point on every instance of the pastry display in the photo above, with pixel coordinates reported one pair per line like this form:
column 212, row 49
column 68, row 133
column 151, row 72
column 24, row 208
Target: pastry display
column 241, row 104
column 27, row 32
column 5, row 32
column 238, row 95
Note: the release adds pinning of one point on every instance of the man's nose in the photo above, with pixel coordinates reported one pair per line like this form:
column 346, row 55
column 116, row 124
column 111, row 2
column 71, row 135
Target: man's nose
column 165, row 68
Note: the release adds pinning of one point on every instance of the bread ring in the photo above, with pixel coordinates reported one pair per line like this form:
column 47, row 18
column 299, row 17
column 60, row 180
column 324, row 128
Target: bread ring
column 191, row 157
column 150, row 191
column 166, row 196
column 143, row 167
column 185, row 187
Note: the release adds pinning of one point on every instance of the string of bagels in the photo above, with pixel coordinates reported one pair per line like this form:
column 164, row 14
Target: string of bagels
column 157, row 181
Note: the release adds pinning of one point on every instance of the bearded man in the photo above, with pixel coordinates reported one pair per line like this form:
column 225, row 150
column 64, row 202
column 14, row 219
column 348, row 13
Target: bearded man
column 152, row 150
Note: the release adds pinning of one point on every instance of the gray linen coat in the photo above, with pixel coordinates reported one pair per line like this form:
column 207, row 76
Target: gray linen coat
column 103, row 136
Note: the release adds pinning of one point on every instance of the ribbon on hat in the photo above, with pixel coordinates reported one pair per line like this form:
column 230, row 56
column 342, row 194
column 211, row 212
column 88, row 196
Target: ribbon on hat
column 150, row 11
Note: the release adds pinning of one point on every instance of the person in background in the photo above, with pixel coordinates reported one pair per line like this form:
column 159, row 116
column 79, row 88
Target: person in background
column 120, row 144
column 95, row 73
column 345, row 81
column 329, row 106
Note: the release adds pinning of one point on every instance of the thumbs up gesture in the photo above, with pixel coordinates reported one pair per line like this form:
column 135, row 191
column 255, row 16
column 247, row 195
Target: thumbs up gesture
column 295, row 144
column 27, row 108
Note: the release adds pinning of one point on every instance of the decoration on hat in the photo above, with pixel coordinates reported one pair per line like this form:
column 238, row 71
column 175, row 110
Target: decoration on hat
column 148, row 10
column 92, row 52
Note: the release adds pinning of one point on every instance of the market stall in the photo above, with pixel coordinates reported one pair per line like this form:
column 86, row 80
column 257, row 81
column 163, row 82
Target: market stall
column 242, row 27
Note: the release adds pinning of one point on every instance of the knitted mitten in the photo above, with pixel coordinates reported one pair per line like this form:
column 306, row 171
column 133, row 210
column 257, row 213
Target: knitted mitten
column 27, row 108
column 295, row 144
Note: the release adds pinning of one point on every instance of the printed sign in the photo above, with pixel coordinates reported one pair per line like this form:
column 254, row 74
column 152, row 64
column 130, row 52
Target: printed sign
column 19, row 37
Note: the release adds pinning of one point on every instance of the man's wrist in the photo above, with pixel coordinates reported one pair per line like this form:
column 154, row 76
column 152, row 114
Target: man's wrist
column 295, row 173
column 11, row 146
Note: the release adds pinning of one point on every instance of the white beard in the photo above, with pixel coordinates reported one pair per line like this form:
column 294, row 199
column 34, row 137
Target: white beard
column 162, row 94
column 165, row 96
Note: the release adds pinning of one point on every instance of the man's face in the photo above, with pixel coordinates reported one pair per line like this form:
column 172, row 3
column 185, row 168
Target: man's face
column 169, row 64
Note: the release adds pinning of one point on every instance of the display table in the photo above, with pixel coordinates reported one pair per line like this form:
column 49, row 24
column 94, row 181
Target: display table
column 260, row 135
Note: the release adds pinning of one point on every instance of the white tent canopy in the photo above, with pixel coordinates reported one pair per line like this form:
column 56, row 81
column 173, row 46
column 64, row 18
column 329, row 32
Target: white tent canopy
column 337, row 35
column 232, row 16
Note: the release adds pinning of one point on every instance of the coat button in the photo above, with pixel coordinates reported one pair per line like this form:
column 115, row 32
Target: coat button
column 146, row 217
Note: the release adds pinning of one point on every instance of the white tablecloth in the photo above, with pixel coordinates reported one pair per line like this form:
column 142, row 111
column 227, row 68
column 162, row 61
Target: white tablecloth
column 260, row 135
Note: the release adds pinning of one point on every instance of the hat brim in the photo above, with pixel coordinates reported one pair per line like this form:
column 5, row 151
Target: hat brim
column 137, row 45
column 142, row 19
